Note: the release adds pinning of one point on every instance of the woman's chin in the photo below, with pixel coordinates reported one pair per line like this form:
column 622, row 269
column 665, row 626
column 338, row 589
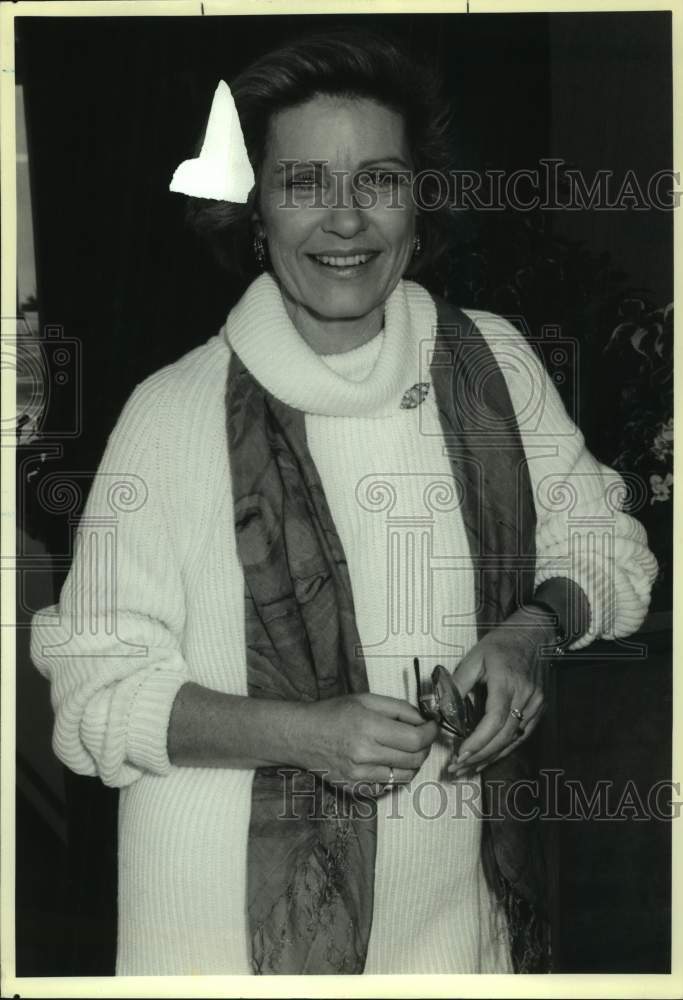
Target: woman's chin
column 339, row 306
column 340, row 300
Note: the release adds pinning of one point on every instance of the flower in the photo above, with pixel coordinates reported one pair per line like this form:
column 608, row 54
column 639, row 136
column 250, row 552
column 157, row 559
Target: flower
column 662, row 446
column 661, row 488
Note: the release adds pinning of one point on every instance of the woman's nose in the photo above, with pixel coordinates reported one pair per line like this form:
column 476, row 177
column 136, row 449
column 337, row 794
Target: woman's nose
column 343, row 215
column 344, row 221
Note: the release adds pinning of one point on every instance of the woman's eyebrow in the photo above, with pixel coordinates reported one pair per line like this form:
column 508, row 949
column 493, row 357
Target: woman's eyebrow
column 376, row 160
column 287, row 165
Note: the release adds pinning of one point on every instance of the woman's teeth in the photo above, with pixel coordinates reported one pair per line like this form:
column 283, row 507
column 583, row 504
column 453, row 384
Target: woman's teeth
column 359, row 258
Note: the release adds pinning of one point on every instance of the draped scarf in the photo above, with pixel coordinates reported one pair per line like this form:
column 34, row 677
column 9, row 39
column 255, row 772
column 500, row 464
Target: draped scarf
column 311, row 849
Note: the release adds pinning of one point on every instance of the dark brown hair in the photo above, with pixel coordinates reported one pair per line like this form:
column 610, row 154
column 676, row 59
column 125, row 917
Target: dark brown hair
column 347, row 63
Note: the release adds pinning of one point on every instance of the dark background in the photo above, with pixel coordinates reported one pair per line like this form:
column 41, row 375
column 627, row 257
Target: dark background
column 113, row 105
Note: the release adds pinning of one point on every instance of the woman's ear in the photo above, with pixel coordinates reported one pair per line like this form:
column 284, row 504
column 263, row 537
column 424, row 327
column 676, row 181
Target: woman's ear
column 257, row 225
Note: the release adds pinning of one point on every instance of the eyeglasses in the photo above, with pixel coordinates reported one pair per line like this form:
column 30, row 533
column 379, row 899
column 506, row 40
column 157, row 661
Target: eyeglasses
column 439, row 700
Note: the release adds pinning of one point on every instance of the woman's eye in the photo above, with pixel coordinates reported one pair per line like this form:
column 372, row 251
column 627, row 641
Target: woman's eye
column 304, row 181
column 381, row 178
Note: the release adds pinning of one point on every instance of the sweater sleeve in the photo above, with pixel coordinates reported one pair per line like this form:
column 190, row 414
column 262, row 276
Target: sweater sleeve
column 112, row 647
column 582, row 531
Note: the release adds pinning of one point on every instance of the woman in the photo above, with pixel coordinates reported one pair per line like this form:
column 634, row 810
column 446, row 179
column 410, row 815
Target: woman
column 314, row 505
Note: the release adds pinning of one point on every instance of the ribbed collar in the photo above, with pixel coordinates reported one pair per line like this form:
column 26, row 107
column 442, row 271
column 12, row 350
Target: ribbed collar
column 261, row 333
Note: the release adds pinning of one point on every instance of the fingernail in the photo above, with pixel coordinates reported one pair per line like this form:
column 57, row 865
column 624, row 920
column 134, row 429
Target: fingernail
column 463, row 756
column 479, row 768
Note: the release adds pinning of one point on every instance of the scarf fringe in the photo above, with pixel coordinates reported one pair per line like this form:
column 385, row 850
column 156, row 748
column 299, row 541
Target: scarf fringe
column 528, row 932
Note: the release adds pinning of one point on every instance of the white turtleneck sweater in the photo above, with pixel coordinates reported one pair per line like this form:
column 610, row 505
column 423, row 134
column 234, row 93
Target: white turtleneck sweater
column 155, row 598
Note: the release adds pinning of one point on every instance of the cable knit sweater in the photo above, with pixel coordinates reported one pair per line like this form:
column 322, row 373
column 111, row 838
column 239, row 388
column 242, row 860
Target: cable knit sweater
column 155, row 598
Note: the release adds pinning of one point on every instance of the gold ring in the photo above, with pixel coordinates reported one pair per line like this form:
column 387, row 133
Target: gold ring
column 517, row 714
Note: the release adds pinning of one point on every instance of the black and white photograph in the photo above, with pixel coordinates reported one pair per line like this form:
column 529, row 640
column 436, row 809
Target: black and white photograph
column 342, row 351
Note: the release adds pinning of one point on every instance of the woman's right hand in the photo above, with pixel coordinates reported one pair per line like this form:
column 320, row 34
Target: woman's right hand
column 356, row 740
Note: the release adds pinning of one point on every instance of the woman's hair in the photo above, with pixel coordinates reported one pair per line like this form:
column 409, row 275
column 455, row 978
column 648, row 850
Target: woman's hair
column 346, row 63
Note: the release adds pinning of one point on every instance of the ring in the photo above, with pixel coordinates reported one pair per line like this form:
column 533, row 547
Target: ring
column 391, row 776
column 517, row 714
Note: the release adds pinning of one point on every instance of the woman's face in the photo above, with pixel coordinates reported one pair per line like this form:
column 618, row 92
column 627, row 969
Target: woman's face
column 338, row 219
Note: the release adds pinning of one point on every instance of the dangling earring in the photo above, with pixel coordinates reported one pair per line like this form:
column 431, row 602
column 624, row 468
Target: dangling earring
column 260, row 252
column 417, row 245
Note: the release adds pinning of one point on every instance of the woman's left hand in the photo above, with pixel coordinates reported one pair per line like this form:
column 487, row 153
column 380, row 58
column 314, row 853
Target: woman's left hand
column 507, row 660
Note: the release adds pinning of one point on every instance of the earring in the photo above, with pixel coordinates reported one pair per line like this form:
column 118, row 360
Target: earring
column 417, row 245
column 260, row 252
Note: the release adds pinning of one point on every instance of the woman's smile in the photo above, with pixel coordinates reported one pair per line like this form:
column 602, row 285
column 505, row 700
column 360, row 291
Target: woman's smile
column 337, row 247
column 345, row 266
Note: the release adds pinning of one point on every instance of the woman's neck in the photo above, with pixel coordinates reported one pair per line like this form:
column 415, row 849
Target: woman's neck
column 336, row 336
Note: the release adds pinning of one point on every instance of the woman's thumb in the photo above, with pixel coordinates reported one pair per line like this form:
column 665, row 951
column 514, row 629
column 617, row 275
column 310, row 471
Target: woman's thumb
column 470, row 670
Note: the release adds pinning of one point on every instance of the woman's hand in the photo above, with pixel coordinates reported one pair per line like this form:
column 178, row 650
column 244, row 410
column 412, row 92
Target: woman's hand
column 350, row 739
column 357, row 739
column 507, row 660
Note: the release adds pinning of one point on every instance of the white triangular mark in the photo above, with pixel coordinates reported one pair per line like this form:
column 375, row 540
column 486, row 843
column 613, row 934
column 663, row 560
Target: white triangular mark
column 222, row 170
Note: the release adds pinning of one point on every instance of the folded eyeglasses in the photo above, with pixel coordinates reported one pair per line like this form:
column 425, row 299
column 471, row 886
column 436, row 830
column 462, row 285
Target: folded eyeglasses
column 440, row 700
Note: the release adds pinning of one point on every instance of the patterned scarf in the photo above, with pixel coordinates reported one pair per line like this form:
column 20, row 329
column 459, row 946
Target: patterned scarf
column 311, row 851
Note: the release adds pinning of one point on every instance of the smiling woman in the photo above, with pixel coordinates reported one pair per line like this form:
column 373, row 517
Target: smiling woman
column 335, row 483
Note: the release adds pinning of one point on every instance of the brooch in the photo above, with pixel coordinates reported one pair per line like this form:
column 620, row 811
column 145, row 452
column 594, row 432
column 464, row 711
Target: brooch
column 415, row 395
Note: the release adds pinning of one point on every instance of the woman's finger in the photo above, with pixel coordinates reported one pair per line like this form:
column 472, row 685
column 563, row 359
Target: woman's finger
column 534, row 718
column 379, row 775
column 493, row 720
column 514, row 733
column 531, row 714
column 469, row 671
column 399, row 736
column 533, row 706
column 384, row 757
column 523, row 718
column 508, row 732
column 496, row 724
column 528, row 730
column 502, row 738
column 392, row 708
column 523, row 734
